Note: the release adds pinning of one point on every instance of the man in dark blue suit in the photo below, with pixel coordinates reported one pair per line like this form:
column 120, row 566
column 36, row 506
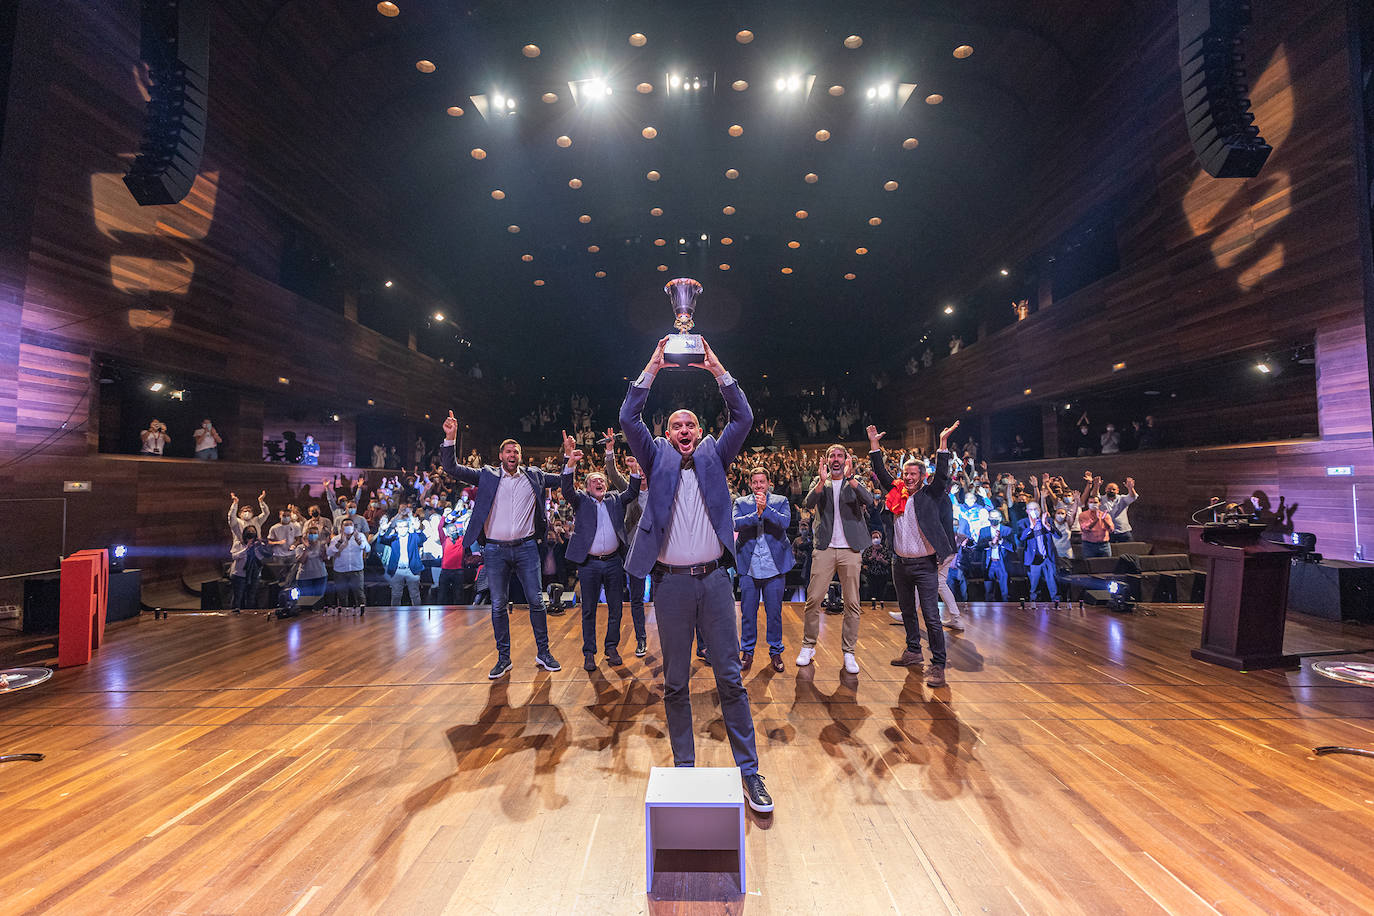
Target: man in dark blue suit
column 763, row 557
column 685, row 540
column 596, row 543
column 508, row 521
column 1037, row 551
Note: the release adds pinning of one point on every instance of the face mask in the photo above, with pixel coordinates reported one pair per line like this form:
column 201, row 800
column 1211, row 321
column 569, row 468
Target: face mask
column 1059, row 516
column 284, row 518
column 245, row 515
column 1032, row 513
column 995, row 519
column 348, row 529
column 876, row 542
column 1094, row 504
column 314, row 513
column 352, row 511
column 313, row 536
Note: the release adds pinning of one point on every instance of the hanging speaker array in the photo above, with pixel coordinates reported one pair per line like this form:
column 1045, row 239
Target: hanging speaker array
column 1215, row 102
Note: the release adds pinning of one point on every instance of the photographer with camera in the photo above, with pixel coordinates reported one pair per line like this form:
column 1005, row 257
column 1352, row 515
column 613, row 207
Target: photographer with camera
column 154, row 438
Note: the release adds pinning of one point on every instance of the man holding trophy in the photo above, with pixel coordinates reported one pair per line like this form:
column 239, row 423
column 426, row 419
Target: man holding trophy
column 686, row 538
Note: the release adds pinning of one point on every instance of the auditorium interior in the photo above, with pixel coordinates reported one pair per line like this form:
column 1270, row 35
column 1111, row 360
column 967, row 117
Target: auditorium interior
column 273, row 246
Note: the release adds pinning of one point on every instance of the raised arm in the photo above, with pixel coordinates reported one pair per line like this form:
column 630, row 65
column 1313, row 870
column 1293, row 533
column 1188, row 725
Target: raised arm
column 637, row 434
column 736, row 407
column 612, row 472
column 467, row 475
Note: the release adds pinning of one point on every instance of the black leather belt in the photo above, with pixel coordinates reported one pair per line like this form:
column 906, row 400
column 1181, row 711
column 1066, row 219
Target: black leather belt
column 700, row 569
column 613, row 555
column 515, row 543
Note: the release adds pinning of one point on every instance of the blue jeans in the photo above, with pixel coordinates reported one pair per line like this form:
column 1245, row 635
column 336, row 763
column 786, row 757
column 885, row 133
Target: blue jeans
column 635, row 585
column 523, row 561
column 750, row 589
column 1096, row 549
column 1047, row 572
column 592, row 575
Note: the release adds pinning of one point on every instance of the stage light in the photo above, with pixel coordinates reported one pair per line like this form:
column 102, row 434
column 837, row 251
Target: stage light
column 438, row 316
column 598, row 87
column 884, row 91
column 389, row 283
column 780, row 84
column 156, row 386
column 1264, row 368
column 871, row 93
column 510, row 103
column 283, row 380
column 703, row 236
column 1004, row 272
column 1068, row 406
column 794, row 83
column 682, row 241
column 120, row 551
column 498, row 101
column 177, row 395
column 696, row 84
column 1117, row 367
column 949, row 310
column 334, row 417
column 673, row 80
column 295, row 594
column 117, row 554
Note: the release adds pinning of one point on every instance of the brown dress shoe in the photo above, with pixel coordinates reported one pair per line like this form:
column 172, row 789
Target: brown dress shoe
column 775, row 659
column 935, row 676
column 746, row 659
column 907, row 659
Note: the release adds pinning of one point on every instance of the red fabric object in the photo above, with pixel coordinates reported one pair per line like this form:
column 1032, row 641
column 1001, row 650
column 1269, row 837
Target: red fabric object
column 897, row 497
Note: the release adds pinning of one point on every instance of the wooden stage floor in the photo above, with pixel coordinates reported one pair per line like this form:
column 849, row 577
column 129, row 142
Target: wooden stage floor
column 1078, row 762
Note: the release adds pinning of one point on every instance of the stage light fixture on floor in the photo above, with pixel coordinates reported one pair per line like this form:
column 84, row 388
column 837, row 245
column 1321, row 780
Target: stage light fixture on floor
column 1119, row 597
column 117, row 554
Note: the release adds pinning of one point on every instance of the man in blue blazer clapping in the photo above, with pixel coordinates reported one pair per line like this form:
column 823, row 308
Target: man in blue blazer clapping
column 763, row 556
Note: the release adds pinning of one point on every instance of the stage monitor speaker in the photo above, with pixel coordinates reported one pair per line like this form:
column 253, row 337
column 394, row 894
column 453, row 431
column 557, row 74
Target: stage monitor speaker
column 176, row 48
column 1212, row 66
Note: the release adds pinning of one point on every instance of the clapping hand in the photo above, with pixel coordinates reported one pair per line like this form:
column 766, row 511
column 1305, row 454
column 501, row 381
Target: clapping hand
column 761, row 501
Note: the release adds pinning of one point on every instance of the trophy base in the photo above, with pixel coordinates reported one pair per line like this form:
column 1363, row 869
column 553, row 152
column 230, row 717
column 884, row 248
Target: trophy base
column 684, row 349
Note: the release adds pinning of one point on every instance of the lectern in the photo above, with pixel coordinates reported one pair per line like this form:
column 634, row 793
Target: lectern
column 1246, row 603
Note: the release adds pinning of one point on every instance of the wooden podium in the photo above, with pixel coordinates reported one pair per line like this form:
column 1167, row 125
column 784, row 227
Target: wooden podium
column 1246, row 603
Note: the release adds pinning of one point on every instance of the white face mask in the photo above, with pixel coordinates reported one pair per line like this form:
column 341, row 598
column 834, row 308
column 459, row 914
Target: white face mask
column 348, row 529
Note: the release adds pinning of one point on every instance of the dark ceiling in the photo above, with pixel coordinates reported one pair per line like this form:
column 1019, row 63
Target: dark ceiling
column 938, row 201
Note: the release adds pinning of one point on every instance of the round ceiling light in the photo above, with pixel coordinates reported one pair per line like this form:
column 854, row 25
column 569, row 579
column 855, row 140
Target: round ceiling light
column 837, row 90
column 530, row 51
column 584, row 219
column 564, row 141
column 653, row 175
column 744, row 36
column 934, row 98
column 538, row 282
column 648, row 133
column 454, row 111
column 861, row 251
column 638, row 39
column 660, row 242
column 425, row 66
column 662, row 267
column 910, row 143
column 656, row 211
column 732, row 174
column 802, row 214
column 890, row 186
column 787, row 270
column 498, row 194
column 644, row 88
column 822, row 135
column 853, row 41
column 849, row 276
column 735, row 130
column 794, row 244
column 739, row 85
column 875, row 220
column 593, row 249
column 478, row 153
column 725, row 267
column 388, row 9
column 527, row 258
column 963, row 51
column 600, row 274
column 728, row 210
column 512, row 229
column 574, row 183
column 549, row 98
column 726, row 240
column 811, row 178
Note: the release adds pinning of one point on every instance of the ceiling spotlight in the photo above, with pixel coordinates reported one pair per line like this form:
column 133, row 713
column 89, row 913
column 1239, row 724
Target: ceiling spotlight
column 787, row 270
column 849, row 276
column 334, row 417
column 949, row 310
column 726, row 240
column 593, row 248
column 454, row 111
column 530, row 51
column 527, row 258
column 837, row 90
column 478, row 153
column 703, row 236
column 728, row 210
column 512, row 229
column 1262, row 367
column 934, row 98
column 660, row 242
column 744, row 36
column 564, row 141
column 696, row 84
column 735, row 130
column 871, row 93
column 725, row 267
column 794, row 83
column 1004, row 272
column 584, row 219
column 802, row 214
column 963, row 51
column 794, row 244
column 739, row 85
column 498, row 101
column 538, row 282
column 510, row 104
column 498, row 194
column 648, row 133
column 682, row 241
column 156, row 386
column 656, row 211
column 780, row 84
column 853, row 41
column 822, row 135
column 549, row 98
column 283, row 380
column 638, row 39
column 732, row 174
column 653, row 175
column 663, row 267
column 885, row 91
column 389, row 283
column 875, row 220
column 388, row 9
column 861, row 251
column 673, row 80
column 574, row 183
column 425, row 66
column 890, row 185
column 438, row 316
column 644, row 88
column 910, row 143
column 597, row 87
column 811, row 178
column 600, row 274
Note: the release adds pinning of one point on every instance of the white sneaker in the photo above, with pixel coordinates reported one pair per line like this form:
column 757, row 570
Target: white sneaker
column 895, row 615
column 851, row 664
column 805, row 655
column 954, row 623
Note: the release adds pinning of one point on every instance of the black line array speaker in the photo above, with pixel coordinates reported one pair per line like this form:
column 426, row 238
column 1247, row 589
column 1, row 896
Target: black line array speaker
column 176, row 49
column 1215, row 105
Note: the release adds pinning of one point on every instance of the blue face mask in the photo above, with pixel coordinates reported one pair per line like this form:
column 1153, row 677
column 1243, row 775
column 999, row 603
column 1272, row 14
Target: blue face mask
column 313, row 536
column 352, row 511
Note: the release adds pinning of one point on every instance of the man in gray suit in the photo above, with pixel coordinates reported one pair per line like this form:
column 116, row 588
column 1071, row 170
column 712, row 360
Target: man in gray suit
column 686, row 540
column 841, row 502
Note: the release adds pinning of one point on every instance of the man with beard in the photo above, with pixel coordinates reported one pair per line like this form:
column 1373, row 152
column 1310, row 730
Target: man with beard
column 685, row 540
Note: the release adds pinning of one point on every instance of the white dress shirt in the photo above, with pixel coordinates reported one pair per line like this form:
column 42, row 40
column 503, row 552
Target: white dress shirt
column 605, row 541
column 512, row 512
column 908, row 541
column 691, row 539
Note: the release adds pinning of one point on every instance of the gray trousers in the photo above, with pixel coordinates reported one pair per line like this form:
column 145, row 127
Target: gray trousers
column 684, row 604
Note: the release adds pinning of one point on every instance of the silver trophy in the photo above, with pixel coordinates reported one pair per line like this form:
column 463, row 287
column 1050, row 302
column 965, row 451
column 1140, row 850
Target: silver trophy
column 683, row 348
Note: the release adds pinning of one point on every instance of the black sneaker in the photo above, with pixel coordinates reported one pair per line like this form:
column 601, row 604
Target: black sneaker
column 641, row 647
column 588, row 662
column 757, row 795
column 502, row 667
column 613, row 658
column 546, row 661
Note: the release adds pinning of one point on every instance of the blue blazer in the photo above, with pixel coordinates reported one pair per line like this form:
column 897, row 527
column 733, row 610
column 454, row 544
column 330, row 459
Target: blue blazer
column 763, row 532
column 661, row 462
column 584, row 522
column 487, row 480
column 414, row 541
column 1035, row 542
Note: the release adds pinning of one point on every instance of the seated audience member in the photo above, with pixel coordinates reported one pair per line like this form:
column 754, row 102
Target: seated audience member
column 207, row 441
column 1115, row 503
column 245, row 565
column 1096, row 526
column 310, row 451
column 154, row 438
column 242, row 518
column 349, row 550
